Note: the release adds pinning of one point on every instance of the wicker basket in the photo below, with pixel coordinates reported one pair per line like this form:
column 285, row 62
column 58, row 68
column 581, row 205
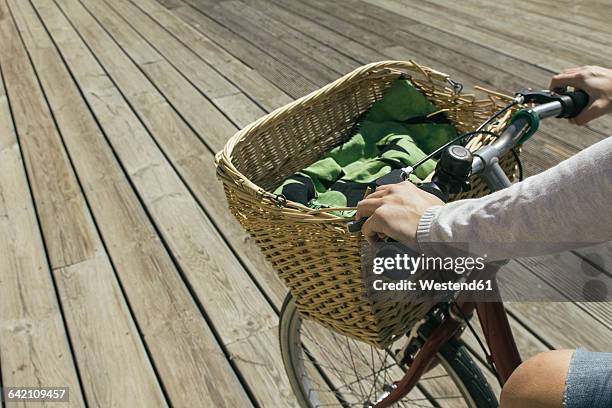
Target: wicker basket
column 311, row 249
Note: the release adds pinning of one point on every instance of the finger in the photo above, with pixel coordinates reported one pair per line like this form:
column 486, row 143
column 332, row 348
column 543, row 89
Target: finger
column 387, row 187
column 384, row 186
column 571, row 70
column 372, row 228
column 379, row 193
column 573, row 79
column 366, row 208
column 596, row 109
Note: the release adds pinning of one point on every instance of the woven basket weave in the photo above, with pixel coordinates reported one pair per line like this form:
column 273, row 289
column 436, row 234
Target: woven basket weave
column 311, row 249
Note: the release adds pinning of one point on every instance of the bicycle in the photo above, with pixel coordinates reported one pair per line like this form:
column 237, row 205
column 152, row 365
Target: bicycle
column 328, row 369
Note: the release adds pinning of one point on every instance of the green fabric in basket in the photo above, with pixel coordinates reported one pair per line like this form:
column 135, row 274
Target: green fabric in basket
column 394, row 133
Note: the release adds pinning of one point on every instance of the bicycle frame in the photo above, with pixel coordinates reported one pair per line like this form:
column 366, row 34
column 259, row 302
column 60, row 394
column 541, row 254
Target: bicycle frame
column 493, row 319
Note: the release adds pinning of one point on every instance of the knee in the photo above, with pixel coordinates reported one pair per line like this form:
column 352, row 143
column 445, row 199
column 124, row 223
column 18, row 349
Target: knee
column 539, row 382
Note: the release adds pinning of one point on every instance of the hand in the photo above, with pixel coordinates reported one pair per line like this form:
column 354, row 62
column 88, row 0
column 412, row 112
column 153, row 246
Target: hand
column 394, row 211
column 595, row 81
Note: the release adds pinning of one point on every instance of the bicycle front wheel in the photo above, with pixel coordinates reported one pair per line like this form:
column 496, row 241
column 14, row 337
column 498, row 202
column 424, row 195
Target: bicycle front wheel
column 326, row 369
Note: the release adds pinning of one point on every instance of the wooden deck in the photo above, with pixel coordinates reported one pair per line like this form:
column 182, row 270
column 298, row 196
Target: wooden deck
column 122, row 274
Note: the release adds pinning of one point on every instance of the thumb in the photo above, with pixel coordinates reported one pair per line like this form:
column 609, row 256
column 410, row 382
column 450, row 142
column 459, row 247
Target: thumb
column 596, row 109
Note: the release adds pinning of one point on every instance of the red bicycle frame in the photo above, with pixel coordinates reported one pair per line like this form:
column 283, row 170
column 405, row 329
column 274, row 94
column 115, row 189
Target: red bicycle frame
column 498, row 335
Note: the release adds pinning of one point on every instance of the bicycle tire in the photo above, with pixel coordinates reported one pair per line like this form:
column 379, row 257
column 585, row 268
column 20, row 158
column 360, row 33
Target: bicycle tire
column 453, row 357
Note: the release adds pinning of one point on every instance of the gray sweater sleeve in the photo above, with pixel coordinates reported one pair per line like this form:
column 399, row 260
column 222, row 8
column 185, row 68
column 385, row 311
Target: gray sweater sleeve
column 564, row 207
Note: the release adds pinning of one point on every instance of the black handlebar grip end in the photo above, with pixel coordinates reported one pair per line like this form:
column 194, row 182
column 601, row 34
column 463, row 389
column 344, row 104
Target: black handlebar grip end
column 581, row 101
column 354, row 227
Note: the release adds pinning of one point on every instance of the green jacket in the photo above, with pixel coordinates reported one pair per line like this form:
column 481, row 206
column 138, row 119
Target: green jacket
column 396, row 132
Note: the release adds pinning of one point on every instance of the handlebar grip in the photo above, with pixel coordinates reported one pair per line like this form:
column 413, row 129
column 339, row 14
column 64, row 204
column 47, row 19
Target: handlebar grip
column 580, row 100
column 354, row 226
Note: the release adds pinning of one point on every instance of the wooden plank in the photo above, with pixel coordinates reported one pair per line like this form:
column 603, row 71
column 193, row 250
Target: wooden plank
column 556, row 270
column 189, row 360
column 232, row 302
column 114, row 367
column 34, row 347
column 251, row 356
column 251, row 82
column 544, row 32
column 591, row 11
column 468, row 33
column 560, row 13
column 277, row 49
column 312, row 28
column 318, row 51
column 170, row 4
column 232, row 102
column 562, row 324
column 157, row 41
column 590, row 30
column 551, row 321
column 537, row 38
column 240, row 108
column 32, row 121
column 347, row 29
column 275, row 71
column 483, row 69
column 208, row 121
column 411, row 47
column 112, row 362
column 406, row 30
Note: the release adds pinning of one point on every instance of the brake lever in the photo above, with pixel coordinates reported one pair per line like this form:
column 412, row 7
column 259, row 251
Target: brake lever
column 529, row 95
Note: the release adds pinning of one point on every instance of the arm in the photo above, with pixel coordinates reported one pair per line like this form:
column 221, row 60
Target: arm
column 562, row 208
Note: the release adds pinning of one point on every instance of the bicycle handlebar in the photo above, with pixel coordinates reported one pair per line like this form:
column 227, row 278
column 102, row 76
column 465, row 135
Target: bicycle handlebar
column 457, row 163
column 523, row 125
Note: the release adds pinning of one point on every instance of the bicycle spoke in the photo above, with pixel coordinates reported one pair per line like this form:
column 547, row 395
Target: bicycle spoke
column 353, row 363
column 359, row 377
column 364, row 378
